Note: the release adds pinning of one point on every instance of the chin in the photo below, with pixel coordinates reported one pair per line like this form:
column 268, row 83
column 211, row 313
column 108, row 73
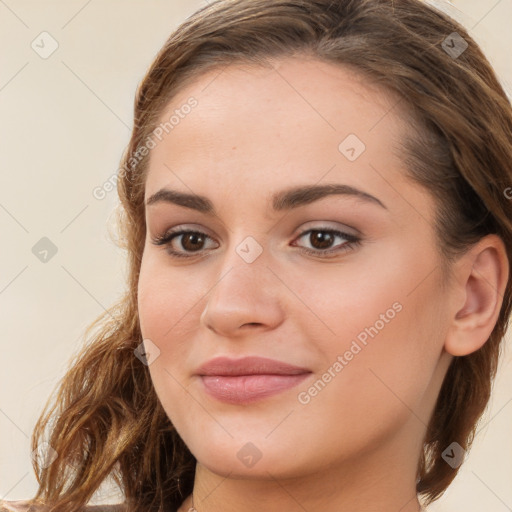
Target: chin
column 242, row 458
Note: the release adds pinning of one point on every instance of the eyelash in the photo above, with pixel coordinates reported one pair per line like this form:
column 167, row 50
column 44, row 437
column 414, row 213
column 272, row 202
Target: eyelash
column 352, row 242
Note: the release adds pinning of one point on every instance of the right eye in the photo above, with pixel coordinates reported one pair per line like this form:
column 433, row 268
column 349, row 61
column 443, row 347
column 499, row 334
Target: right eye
column 189, row 240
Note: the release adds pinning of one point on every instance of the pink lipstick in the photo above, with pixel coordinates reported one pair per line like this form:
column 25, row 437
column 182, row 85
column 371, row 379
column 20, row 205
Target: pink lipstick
column 247, row 380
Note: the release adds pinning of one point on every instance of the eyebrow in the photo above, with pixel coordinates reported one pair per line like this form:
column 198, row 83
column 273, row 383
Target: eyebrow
column 283, row 200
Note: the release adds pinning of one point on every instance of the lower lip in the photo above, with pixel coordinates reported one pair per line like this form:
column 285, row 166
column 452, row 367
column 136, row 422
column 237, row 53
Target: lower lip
column 244, row 389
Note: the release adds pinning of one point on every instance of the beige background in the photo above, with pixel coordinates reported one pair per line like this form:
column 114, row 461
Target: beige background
column 65, row 122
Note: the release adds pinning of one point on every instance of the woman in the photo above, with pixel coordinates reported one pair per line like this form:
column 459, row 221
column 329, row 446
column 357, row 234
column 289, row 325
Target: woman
column 319, row 236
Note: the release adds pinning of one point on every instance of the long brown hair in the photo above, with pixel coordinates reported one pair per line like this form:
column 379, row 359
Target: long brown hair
column 106, row 419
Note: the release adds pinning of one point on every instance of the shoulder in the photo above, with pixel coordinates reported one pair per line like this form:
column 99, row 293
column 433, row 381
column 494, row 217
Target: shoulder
column 17, row 506
column 27, row 506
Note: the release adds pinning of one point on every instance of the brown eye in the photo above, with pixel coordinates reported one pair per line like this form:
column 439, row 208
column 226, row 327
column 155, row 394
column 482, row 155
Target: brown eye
column 321, row 241
column 188, row 242
column 192, row 241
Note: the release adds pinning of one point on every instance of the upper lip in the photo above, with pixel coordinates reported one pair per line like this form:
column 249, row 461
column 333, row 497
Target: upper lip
column 251, row 365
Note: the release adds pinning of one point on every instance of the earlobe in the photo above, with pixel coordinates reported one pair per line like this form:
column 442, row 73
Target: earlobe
column 484, row 276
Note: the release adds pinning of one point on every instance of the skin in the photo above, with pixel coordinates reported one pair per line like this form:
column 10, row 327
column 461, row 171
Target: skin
column 355, row 445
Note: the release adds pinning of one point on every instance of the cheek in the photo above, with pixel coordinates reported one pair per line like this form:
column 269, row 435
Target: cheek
column 166, row 299
column 164, row 310
column 364, row 298
column 384, row 336
column 375, row 378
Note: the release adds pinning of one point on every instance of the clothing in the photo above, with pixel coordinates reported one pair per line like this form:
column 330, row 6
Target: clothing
column 23, row 506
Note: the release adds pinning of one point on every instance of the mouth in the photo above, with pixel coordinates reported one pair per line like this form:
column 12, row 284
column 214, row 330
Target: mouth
column 250, row 379
column 245, row 389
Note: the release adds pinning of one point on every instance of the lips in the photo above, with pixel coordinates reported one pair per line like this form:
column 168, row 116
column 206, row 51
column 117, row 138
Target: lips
column 246, row 380
column 248, row 366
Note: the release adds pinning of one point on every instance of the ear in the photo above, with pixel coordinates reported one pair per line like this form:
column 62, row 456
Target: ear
column 481, row 277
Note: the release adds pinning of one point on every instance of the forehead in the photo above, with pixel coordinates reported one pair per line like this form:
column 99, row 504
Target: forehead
column 258, row 127
column 298, row 87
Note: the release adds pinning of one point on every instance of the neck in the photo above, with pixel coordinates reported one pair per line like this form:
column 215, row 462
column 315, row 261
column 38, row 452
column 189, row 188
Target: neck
column 381, row 481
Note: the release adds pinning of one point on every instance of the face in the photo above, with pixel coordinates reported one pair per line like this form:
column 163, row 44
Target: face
column 309, row 248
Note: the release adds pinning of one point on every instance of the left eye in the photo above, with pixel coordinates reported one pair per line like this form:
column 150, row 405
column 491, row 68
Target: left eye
column 321, row 240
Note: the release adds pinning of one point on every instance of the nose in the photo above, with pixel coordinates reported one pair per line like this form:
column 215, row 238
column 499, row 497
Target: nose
column 244, row 296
